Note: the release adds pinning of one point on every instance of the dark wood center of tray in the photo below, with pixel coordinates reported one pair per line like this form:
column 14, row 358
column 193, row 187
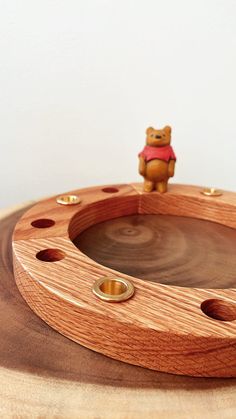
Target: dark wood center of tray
column 166, row 249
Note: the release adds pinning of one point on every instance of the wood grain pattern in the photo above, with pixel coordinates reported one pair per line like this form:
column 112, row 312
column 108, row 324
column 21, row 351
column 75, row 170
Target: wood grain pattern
column 161, row 327
column 167, row 249
column 47, row 375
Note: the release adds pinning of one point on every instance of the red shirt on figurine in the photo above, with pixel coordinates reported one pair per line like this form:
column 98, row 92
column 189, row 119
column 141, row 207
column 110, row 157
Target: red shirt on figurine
column 165, row 153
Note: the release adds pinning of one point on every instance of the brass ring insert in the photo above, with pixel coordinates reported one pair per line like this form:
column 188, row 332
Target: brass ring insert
column 211, row 192
column 68, row 200
column 112, row 289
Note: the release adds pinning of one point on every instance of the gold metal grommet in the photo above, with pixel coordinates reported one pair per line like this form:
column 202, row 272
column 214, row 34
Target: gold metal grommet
column 68, row 200
column 211, row 192
column 112, row 289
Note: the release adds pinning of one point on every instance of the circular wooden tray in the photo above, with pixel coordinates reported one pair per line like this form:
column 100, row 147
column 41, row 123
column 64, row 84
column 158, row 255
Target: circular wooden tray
column 46, row 374
column 181, row 330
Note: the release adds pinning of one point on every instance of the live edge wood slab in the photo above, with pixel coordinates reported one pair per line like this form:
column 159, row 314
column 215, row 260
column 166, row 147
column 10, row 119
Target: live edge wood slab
column 181, row 330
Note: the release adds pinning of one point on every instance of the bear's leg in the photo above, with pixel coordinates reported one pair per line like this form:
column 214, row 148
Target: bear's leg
column 148, row 186
column 161, row 186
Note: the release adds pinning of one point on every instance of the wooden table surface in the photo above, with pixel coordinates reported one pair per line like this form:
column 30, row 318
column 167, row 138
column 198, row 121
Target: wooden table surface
column 43, row 374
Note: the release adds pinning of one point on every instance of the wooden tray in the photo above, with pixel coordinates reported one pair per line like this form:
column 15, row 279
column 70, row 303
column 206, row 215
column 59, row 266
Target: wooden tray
column 181, row 330
column 45, row 374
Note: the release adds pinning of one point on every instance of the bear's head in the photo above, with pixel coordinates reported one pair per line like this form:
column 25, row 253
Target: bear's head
column 158, row 137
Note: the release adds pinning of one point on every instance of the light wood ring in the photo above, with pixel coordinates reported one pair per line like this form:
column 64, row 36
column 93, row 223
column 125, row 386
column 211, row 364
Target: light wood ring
column 161, row 327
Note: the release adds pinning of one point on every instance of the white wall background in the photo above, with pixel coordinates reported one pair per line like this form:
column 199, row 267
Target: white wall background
column 80, row 80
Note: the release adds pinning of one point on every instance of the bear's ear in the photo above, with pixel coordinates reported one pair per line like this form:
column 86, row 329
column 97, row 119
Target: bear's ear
column 149, row 130
column 167, row 129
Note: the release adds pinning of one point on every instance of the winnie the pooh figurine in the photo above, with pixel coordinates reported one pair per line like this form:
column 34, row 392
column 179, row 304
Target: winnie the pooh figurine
column 157, row 160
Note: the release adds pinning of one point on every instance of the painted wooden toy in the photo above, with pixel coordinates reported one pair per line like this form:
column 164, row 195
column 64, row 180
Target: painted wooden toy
column 187, row 328
column 157, row 160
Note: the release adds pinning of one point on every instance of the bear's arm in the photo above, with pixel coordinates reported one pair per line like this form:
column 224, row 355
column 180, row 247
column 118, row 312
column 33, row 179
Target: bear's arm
column 142, row 166
column 171, row 168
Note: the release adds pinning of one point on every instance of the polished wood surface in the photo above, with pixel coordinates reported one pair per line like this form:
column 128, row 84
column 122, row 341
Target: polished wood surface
column 44, row 374
column 163, row 248
column 181, row 330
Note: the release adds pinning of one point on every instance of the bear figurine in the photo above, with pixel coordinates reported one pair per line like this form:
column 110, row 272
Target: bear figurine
column 157, row 160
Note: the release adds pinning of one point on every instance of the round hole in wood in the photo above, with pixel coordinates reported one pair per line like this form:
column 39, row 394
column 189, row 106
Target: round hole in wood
column 110, row 190
column 43, row 223
column 113, row 289
column 219, row 309
column 50, row 255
